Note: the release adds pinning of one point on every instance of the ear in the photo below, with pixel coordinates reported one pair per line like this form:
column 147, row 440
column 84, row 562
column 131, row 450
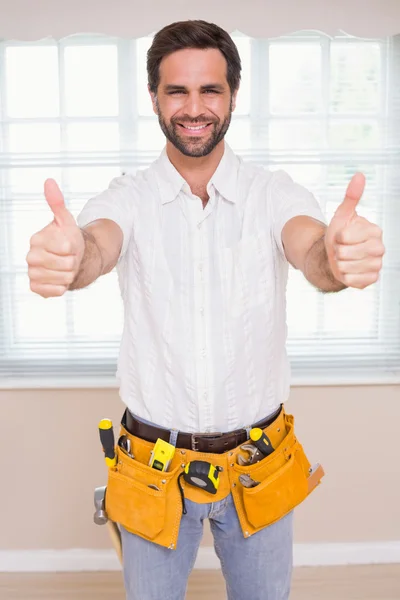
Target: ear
column 154, row 102
column 233, row 101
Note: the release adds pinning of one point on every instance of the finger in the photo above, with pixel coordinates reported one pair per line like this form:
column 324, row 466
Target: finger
column 55, row 200
column 358, row 232
column 37, row 257
column 360, row 281
column 369, row 265
column 355, row 189
column 47, row 290
column 41, row 275
column 57, row 243
column 372, row 247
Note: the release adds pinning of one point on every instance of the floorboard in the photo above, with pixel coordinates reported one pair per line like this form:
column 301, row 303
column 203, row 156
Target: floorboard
column 375, row 582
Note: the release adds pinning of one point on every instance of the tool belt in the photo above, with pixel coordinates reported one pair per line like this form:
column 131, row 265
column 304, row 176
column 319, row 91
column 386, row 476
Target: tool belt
column 148, row 502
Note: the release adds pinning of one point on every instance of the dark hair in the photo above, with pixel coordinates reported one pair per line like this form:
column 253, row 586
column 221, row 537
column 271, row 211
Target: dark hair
column 192, row 34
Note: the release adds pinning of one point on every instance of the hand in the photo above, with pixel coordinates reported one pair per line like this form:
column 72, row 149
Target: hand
column 353, row 244
column 56, row 251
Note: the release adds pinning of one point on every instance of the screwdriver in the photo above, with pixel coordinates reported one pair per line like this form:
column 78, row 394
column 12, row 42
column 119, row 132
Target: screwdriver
column 107, row 440
column 261, row 441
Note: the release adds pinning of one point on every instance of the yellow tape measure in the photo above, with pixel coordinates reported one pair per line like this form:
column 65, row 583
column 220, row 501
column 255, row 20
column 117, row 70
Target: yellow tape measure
column 203, row 475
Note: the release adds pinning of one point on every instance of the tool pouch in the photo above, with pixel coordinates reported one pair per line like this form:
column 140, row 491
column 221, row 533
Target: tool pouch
column 153, row 514
column 284, row 480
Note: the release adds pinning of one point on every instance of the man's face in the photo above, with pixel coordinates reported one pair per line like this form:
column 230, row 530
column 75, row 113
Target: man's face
column 194, row 103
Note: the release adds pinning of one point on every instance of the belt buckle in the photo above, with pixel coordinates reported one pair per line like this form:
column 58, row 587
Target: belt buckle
column 215, row 434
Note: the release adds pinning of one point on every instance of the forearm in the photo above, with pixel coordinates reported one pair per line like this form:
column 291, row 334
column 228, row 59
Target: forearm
column 317, row 269
column 92, row 264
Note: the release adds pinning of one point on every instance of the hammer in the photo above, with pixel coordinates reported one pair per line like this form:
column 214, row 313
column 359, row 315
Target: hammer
column 100, row 517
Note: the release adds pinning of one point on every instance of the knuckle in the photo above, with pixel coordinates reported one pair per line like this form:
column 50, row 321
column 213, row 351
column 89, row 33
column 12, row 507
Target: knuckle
column 66, row 246
column 347, row 279
column 70, row 263
column 339, row 236
column 37, row 288
column 33, row 240
column 341, row 252
column 344, row 236
column 59, row 290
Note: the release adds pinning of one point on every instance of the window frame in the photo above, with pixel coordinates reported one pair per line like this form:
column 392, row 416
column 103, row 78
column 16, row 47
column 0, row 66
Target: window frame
column 128, row 157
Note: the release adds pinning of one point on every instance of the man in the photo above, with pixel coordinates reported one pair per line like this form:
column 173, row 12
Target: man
column 202, row 243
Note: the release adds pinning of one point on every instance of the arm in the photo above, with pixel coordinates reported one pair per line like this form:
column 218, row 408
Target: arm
column 103, row 243
column 347, row 253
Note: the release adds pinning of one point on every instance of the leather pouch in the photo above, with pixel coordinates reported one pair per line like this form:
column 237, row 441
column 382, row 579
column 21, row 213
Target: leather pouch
column 284, row 481
column 153, row 513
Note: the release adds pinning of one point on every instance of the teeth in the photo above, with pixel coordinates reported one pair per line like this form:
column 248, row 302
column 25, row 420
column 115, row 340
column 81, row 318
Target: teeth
column 195, row 128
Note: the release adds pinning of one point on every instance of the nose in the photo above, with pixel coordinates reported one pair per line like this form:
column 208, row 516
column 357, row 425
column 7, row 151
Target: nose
column 194, row 106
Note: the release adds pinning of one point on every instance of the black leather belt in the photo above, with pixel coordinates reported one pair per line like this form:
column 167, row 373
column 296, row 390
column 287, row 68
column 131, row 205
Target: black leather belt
column 216, row 443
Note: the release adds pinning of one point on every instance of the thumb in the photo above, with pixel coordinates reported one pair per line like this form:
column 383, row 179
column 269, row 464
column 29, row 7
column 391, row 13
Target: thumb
column 55, row 200
column 355, row 189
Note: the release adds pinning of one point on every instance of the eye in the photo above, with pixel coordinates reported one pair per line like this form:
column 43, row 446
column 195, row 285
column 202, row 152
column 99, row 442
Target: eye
column 175, row 92
column 211, row 92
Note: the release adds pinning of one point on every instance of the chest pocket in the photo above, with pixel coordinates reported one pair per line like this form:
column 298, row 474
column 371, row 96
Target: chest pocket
column 248, row 275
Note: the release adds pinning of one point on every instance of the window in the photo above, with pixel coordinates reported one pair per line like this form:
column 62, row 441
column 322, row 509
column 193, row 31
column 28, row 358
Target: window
column 78, row 110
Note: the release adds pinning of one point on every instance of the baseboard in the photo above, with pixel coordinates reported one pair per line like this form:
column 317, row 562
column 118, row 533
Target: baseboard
column 305, row 555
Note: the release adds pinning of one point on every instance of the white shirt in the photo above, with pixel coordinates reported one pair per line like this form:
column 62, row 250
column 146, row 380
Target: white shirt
column 203, row 345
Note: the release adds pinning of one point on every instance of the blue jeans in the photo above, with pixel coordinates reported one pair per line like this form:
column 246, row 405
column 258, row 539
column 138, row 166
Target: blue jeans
column 258, row 567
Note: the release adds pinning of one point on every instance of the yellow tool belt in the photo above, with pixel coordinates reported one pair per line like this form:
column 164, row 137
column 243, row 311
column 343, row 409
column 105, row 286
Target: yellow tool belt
column 155, row 512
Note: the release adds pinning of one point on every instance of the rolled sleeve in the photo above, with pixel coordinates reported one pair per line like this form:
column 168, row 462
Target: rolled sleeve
column 116, row 203
column 288, row 199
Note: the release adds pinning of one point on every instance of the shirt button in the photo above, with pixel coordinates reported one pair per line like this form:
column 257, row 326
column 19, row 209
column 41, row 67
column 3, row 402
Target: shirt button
column 202, row 311
column 203, row 352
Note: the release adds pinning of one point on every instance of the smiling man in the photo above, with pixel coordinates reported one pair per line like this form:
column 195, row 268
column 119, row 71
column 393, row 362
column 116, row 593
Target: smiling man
column 202, row 242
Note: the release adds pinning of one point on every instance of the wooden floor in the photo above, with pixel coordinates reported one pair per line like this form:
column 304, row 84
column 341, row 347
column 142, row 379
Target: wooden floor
column 375, row 582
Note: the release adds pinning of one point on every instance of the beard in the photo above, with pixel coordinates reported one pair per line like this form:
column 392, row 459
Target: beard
column 195, row 146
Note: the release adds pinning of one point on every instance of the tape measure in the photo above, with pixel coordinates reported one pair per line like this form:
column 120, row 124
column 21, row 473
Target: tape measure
column 203, row 475
column 161, row 455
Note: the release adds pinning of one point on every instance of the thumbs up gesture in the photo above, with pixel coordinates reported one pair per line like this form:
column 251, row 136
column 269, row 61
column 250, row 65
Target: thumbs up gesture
column 354, row 244
column 56, row 251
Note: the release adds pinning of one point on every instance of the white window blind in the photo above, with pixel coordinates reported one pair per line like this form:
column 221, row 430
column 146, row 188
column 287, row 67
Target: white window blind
column 78, row 110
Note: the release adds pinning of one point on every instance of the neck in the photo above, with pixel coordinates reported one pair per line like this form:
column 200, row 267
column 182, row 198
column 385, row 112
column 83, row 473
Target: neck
column 196, row 171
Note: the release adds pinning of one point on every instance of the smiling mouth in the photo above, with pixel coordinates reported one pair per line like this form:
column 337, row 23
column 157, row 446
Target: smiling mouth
column 195, row 128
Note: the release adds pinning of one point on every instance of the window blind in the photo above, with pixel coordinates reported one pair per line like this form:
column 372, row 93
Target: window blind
column 78, row 110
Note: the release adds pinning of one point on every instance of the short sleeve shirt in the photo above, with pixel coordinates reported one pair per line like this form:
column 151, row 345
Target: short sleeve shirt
column 204, row 292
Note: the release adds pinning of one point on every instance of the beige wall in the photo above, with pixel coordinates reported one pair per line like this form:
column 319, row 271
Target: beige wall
column 51, row 461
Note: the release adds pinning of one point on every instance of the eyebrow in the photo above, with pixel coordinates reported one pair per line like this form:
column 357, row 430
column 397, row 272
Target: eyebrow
column 182, row 88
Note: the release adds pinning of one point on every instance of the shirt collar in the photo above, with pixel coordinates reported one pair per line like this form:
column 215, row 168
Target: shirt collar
column 226, row 174
column 170, row 182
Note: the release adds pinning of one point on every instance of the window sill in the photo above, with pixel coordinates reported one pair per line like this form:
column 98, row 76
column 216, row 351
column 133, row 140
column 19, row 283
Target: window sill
column 111, row 382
